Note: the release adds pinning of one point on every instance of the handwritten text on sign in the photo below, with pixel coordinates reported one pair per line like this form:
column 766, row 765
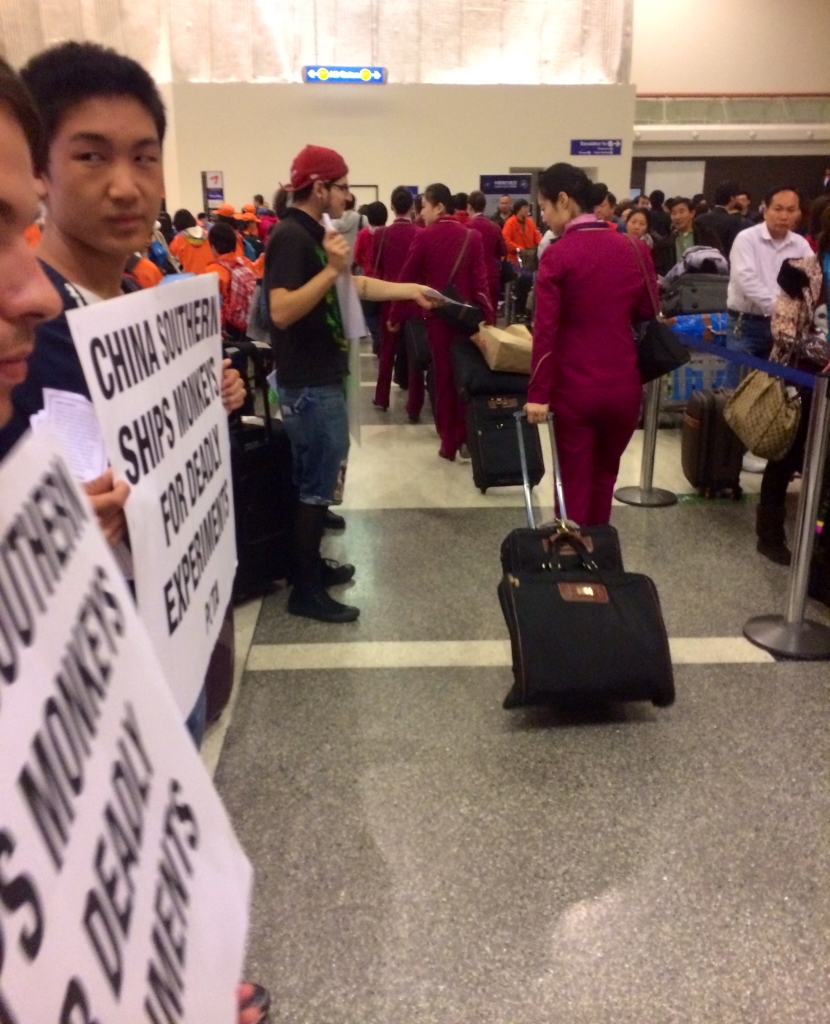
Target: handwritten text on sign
column 153, row 363
column 123, row 891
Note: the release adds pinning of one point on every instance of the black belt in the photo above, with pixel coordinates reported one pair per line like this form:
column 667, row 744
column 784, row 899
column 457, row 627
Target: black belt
column 748, row 316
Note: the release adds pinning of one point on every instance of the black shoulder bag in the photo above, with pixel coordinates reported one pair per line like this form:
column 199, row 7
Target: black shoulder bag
column 658, row 351
column 464, row 317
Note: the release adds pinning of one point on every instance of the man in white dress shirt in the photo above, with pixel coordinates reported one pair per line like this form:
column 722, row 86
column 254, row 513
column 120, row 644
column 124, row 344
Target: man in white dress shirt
column 756, row 259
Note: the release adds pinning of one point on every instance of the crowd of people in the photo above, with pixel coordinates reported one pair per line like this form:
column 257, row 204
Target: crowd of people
column 91, row 124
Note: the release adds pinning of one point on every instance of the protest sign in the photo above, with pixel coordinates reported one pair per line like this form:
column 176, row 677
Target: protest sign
column 153, row 364
column 123, row 890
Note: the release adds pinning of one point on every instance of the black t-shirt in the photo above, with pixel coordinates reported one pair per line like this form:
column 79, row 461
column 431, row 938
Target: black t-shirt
column 312, row 352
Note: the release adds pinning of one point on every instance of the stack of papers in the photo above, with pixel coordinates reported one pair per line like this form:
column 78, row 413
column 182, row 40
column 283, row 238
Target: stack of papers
column 70, row 418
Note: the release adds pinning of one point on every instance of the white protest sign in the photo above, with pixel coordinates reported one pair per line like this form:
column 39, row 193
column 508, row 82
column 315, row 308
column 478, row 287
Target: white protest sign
column 153, row 364
column 123, row 890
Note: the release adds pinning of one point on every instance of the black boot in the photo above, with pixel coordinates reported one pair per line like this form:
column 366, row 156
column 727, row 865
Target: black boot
column 333, row 521
column 769, row 527
column 309, row 597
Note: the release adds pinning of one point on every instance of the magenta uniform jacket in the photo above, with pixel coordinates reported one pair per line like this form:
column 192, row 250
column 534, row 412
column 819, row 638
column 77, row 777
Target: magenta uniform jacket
column 495, row 250
column 589, row 292
column 392, row 247
column 390, row 251
column 590, row 289
column 431, row 258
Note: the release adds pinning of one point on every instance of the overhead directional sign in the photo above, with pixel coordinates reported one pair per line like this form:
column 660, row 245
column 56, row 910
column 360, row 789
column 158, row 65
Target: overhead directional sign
column 337, row 73
column 596, row 147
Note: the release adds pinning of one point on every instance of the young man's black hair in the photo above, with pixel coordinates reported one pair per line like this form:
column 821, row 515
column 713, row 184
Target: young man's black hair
column 519, row 205
column 377, row 214
column 681, row 200
column 222, row 238
column 66, row 75
column 401, row 200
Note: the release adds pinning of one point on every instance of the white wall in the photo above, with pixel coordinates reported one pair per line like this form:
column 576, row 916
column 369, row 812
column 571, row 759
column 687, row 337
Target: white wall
column 731, row 46
column 389, row 135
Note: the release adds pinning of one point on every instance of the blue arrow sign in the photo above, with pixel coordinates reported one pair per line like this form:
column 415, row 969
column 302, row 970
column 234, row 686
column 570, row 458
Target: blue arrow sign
column 323, row 73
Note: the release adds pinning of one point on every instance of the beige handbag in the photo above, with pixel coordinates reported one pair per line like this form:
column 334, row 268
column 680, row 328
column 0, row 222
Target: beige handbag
column 765, row 414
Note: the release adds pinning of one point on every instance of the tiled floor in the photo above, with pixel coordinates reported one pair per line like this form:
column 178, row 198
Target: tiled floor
column 422, row 855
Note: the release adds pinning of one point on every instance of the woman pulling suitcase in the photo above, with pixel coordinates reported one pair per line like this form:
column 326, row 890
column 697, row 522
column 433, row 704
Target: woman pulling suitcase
column 590, row 290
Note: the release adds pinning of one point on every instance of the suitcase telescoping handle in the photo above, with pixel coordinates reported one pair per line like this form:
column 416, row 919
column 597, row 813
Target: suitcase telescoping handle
column 559, row 494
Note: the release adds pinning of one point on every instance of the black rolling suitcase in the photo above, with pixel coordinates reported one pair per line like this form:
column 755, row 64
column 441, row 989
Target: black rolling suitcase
column 711, row 452
column 494, row 449
column 263, row 492
column 579, row 629
column 492, row 398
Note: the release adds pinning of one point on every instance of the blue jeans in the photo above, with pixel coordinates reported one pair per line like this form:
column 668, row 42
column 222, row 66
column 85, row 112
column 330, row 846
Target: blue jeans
column 317, row 423
column 197, row 719
column 752, row 336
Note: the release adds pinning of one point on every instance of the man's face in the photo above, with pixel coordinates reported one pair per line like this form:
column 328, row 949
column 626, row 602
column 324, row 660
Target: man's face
column 104, row 181
column 505, row 206
column 643, row 202
column 682, row 218
column 521, row 213
column 338, row 196
column 742, row 203
column 26, row 295
column 605, row 211
column 782, row 214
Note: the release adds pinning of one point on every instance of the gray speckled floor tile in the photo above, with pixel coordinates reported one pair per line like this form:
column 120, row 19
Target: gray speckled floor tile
column 423, row 856
column 702, row 558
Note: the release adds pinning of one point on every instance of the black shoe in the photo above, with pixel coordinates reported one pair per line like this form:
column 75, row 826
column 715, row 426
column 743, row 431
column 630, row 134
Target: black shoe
column 414, row 420
column 334, row 574
column 379, row 407
column 333, row 521
column 315, row 603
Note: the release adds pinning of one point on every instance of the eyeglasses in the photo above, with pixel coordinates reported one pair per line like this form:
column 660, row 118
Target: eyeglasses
column 334, row 184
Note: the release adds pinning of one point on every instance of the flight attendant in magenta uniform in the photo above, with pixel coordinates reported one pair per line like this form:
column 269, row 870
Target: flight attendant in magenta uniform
column 432, row 256
column 589, row 291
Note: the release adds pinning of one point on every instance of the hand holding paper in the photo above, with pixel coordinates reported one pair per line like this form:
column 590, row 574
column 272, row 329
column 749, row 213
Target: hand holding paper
column 337, row 250
column 108, row 498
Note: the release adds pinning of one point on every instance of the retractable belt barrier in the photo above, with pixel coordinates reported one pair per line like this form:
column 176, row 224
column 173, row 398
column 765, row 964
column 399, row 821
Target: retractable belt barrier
column 790, row 634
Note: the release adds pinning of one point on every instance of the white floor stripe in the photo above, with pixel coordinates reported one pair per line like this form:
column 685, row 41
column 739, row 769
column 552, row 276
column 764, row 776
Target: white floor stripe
column 705, row 650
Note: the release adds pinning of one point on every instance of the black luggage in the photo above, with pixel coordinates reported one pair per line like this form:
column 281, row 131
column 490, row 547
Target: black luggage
column 219, row 675
column 696, row 293
column 493, row 444
column 263, row 492
column 473, row 377
column 578, row 628
column 711, row 452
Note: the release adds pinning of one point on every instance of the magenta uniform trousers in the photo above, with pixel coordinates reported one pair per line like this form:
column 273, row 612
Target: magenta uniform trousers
column 449, row 409
column 386, row 357
column 593, row 427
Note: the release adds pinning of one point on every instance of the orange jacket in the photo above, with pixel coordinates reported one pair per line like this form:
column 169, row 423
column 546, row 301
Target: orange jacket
column 147, row 273
column 520, row 236
column 192, row 251
column 32, row 235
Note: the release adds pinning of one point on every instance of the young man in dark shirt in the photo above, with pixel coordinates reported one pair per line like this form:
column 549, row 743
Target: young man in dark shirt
column 302, row 265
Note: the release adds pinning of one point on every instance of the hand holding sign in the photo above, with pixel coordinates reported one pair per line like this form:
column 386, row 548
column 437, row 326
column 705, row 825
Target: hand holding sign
column 108, row 499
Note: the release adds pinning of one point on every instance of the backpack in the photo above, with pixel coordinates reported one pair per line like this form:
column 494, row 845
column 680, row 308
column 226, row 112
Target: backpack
column 236, row 310
column 253, row 247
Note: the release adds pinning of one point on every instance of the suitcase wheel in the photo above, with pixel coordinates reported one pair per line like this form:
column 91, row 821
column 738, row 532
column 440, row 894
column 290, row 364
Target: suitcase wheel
column 483, row 490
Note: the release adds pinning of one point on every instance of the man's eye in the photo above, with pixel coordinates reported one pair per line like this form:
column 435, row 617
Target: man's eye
column 148, row 159
column 91, row 156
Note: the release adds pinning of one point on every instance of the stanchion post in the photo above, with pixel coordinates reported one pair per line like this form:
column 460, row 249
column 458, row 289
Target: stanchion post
column 791, row 634
column 647, row 494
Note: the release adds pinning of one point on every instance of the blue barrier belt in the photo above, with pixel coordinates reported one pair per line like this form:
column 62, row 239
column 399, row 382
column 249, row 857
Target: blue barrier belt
column 799, row 377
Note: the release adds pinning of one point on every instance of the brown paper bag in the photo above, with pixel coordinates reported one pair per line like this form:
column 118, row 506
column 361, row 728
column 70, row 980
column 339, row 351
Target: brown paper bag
column 507, row 350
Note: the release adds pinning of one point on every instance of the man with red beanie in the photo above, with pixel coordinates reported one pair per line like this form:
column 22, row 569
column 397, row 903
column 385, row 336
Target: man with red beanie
column 302, row 264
